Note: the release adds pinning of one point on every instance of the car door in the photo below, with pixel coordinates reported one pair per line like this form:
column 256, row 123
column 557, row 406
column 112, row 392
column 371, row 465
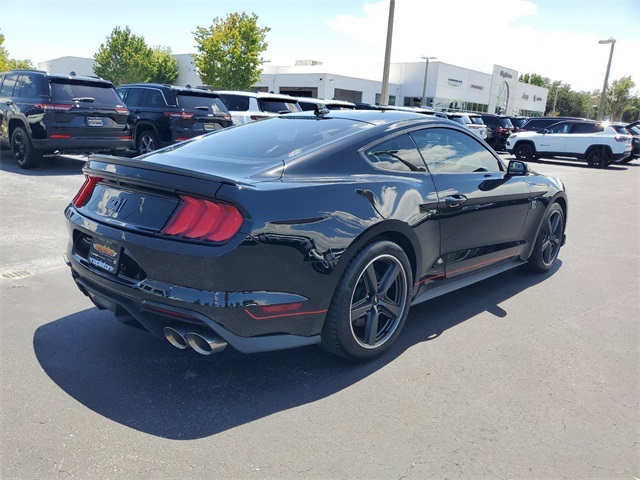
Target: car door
column 580, row 136
column 6, row 105
column 554, row 139
column 481, row 209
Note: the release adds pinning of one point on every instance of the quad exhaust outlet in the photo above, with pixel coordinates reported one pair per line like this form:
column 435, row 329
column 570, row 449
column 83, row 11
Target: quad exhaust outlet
column 203, row 343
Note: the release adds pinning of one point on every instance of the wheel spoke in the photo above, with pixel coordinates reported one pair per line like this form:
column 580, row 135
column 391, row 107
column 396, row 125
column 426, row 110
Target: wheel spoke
column 388, row 279
column 360, row 308
column 371, row 328
column 390, row 308
column 370, row 280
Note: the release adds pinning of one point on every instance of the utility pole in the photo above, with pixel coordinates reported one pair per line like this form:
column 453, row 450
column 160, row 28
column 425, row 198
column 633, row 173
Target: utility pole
column 384, row 95
column 612, row 41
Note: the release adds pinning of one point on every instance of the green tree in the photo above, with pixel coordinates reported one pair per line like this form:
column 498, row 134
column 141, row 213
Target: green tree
column 7, row 63
column 165, row 66
column 618, row 97
column 229, row 51
column 534, row 79
column 125, row 58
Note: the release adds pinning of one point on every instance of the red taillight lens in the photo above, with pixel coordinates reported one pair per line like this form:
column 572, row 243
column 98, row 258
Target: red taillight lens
column 200, row 219
column 502, row 130
column 122, row 110
column 622, row 138
column 258, row 117
column 53, row 106
column 59, row 135
column 181, row 115
column 85, row 191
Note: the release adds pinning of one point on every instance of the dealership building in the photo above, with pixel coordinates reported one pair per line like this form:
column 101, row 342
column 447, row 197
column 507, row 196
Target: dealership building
column 446, row 87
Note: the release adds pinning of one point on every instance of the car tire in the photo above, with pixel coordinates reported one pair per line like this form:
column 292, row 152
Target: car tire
column 26, row 156
column 370, row 304
column 598, row 158
column 147, row 142
column 549, row 241
column 525, row 152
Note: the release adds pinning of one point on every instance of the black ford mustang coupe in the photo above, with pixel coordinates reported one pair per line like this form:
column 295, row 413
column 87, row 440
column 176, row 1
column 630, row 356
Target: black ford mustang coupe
column 313, row 228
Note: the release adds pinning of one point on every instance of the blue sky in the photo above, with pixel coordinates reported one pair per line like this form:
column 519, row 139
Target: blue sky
column 555, row 38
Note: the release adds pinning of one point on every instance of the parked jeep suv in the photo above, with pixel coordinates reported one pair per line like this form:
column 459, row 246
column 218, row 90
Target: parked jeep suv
column 164, row 114
column 597, row 143
column 43, row 113
column 247, row 107
column 499, row 127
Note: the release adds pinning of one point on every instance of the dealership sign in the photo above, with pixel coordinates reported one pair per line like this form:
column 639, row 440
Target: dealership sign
column 454, row 82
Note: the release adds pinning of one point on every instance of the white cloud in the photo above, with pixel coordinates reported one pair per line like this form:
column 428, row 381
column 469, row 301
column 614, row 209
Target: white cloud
column 477, row 34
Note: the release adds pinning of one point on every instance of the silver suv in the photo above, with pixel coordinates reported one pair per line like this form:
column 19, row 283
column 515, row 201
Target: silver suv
column 597, row 143
column 246, row 107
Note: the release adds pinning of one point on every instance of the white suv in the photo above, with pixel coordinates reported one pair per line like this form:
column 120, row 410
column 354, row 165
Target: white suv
column 246, row 107
column 597, row 143
column 465, row 119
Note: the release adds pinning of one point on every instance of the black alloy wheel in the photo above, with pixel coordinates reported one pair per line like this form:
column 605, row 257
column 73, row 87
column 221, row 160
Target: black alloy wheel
column 547, row 247
column 598, row 158
column 147, row 142
column 370, row 304
column 26, row 156
column 524, row 152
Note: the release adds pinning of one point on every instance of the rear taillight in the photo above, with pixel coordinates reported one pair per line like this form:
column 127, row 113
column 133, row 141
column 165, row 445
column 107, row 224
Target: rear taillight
column 85, row 191
column 502, row 130
column 53, row 106
column 622, row 138
column 60, row 135
column 200, row 219
column 181, row 115
column 258, row 117
column 122, row 110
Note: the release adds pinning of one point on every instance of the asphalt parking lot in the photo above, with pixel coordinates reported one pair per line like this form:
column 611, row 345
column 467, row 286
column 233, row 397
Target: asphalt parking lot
column 519, row 376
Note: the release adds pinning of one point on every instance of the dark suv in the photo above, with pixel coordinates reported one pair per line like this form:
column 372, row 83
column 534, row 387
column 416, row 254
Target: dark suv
column 164, row 114
column 43, row 113
column 499, row 127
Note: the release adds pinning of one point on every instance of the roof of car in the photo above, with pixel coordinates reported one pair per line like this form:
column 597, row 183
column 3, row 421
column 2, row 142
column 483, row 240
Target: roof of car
column 278, row 96
column 186, row 88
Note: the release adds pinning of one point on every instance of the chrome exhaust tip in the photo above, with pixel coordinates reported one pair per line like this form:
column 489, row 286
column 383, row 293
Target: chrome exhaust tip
column 176, row 337
column 205, row 344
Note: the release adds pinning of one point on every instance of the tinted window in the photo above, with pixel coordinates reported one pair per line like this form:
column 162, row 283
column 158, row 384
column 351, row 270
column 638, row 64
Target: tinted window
column 25, row 87
column 583, row 128
column 477, row 120
column 505, row 122
column 620, row 129
column 152, row 98
column 67, row 90
column 198, row 101
column 277, row 106
column 7, row 85
column 490, row 121
column 561, row 127
column 237, row 103
column 459, row 120
column 398, row 153
column 306, row 106
column 450, row 151
column 134, row 97
column 272, row 138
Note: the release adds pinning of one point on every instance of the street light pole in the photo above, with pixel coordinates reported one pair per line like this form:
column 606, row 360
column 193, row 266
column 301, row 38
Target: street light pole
column 384, row 94
column 423, row 102
column 612, row 41
column 555, row 99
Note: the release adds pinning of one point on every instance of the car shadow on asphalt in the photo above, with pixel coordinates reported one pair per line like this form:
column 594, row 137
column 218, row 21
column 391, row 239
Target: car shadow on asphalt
column 144, row 383
column 52, row 165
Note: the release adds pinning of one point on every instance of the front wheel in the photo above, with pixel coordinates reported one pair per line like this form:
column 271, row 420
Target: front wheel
column 598, row 158
column 370, row 304
column 524, row 152
column 26, row 156
column 549, row 241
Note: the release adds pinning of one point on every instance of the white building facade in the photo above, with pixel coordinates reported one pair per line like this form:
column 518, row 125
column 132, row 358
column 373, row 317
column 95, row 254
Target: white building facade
column 448, row 87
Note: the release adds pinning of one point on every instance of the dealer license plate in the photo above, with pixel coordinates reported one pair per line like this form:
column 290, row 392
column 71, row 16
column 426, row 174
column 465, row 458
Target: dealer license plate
column 95, row 122
column 104, row 255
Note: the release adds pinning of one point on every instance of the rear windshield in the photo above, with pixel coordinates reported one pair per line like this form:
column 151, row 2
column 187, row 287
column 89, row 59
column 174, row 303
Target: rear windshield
column 459, row 120
column 505, row 122
column 477, row 120
column 199, row 101
column 277, row 106
column 69, row 90
column 620, row 129
column 276, row 137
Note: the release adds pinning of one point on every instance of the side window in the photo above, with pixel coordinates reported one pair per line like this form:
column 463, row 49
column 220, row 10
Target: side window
column 122, row 93
column 398, row 154
column 560, row 128
column 152, row 98
column 134, row 97
column 583, row 128
column 450, row 151
column 7, row 85
column 25, row 87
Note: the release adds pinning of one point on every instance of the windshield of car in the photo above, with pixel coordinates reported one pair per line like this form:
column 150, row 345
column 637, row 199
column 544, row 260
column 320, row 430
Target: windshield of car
column 86, row 92
column 277, row 137
column 200, row 101
column 277, row 106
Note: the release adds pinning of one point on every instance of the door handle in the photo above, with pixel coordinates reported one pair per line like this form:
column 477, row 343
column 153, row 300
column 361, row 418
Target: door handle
column 454, row 200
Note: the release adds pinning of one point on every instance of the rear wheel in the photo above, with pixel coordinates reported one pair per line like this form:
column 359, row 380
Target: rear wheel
column 26, row 156
column 525, row 152
column 598, row 158
column 370, row 304
column 547, row 247
column 147, row 142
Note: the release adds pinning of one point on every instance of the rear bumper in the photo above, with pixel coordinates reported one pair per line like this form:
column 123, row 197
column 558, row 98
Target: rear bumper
column 82, row 145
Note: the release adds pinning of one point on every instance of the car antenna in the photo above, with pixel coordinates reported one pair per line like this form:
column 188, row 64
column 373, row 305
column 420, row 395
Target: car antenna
column 321, row 110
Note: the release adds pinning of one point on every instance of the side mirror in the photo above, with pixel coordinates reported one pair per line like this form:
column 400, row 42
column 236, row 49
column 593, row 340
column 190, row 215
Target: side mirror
column 543, row 131
column 517, row 167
